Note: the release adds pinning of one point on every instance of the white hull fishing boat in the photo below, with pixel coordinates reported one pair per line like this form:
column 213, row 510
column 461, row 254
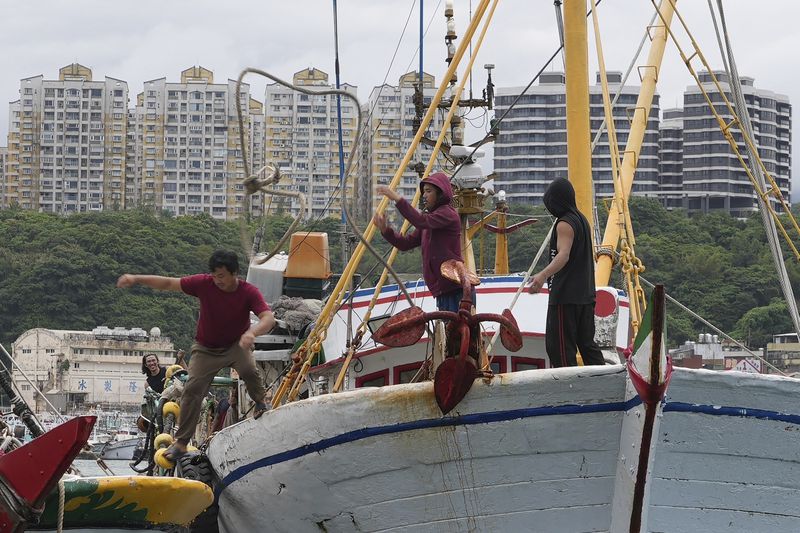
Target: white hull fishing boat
column 631, row 446
column 540, row 450
column 600, row 448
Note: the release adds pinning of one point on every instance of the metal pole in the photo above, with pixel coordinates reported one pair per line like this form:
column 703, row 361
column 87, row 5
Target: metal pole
column 342, row 180
column 421, row 35
column 32, row 384
column 560, row 24
column 649, row 75
column 579, row 154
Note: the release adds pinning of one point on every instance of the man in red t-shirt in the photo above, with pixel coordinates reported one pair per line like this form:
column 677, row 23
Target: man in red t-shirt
column 224, row 335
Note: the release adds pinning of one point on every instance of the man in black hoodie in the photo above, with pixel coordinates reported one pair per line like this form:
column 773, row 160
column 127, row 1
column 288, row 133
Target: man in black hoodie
column 570, row 280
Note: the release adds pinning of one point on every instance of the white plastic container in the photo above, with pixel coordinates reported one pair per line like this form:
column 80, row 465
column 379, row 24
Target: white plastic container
column 269, row 276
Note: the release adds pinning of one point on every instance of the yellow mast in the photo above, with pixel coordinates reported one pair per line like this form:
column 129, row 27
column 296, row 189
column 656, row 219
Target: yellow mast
column 649, row 75
column 579, row 153
column 501, row 244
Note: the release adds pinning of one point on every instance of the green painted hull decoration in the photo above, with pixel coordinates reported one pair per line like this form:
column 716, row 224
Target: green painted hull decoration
column 136, row 502
column 101, row 509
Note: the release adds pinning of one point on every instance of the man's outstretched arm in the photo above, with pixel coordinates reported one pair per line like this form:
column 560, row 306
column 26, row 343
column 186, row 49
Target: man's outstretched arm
column 161, row 283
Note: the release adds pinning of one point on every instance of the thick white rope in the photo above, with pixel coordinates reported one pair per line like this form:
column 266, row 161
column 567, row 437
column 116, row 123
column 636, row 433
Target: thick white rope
column 61, row 498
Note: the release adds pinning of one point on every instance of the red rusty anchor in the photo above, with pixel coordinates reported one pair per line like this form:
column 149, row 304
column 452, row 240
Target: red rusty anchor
column 455, row 375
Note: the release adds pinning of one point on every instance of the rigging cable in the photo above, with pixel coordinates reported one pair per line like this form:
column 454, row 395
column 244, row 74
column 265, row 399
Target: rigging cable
column 351, row 157
column 339, row 119
column 334, row 195
column 631, row 265
column 726, row 126
column 525, row 279
column 29, row 418
column 338, row 292
column 516, row 100
column 602, row 126
column 421, row 38
column 428, row 27
column 335, row 192
column 715, row 328
column 744, row 120
column 389, row 69
column 451, row 70
column 560, row 26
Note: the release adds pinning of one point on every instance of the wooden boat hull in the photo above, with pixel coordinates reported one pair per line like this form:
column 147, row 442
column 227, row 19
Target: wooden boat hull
column 386, row 458
column 728, row 454
column 536, row 450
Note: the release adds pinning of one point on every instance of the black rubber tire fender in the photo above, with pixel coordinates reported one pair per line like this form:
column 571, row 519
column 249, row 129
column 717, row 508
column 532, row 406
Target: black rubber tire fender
column 197, row 467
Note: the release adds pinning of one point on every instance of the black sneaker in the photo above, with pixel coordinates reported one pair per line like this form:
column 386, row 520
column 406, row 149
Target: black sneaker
column 259, row 410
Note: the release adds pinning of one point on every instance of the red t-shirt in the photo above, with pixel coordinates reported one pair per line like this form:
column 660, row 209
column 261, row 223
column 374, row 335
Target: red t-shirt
column 224, row 316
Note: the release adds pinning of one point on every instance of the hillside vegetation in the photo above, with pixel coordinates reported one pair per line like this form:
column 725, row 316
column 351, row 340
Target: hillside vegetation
column 59, row 272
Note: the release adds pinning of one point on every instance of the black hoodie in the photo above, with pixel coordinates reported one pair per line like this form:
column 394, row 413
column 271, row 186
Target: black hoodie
column 573, row 284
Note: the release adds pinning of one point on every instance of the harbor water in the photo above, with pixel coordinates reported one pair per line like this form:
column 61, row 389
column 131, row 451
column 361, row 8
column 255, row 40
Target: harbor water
column 90, row 468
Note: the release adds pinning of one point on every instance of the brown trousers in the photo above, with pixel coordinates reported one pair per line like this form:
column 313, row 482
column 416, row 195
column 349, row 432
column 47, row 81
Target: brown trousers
column 203, row 366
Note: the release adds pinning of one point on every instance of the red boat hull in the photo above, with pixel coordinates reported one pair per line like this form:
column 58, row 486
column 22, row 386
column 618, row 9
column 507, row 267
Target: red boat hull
column 28, row 474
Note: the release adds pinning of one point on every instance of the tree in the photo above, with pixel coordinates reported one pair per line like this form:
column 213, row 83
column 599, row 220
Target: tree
column 759, row 324
column 60, row 271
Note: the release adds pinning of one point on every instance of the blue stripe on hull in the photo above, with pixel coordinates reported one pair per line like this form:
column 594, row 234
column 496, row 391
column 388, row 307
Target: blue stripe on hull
column 462, row 420
column 745, row 412
column 494, row 416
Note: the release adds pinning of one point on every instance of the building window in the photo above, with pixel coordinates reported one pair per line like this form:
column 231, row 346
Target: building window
column 76, row 365
column 519, row 364
column 376, row 379
column 405, row 373
column 499, row 364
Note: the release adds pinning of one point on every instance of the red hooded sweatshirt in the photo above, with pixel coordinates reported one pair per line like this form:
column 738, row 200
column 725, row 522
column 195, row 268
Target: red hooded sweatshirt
column 437, row 230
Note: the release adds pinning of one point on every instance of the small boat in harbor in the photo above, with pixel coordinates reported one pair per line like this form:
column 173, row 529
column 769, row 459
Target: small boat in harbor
column 122, row 450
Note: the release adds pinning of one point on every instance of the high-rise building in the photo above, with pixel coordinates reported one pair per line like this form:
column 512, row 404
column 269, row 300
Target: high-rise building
column 66, row 143
column 3, row 158
column 389, row 121
column 531, row 147
column 132, row 162
column 713, row 179
column 670, row 158
column 302, row 140
column 188, row 157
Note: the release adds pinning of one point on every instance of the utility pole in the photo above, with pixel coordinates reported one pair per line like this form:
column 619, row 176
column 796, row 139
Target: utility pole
column 342, row 177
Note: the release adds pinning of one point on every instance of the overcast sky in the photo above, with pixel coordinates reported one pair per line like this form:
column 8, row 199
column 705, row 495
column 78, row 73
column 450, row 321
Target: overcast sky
column 143, row 40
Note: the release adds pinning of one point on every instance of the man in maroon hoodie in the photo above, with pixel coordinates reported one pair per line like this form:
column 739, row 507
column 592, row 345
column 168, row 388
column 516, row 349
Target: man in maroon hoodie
column 437, row 230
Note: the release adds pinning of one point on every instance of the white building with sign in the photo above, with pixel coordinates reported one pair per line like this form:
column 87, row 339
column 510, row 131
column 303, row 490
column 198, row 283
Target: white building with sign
column 81, row 369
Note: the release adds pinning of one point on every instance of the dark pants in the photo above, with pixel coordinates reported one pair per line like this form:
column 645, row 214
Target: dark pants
column 451, row 301
column 570, row 327
column 203, row 366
